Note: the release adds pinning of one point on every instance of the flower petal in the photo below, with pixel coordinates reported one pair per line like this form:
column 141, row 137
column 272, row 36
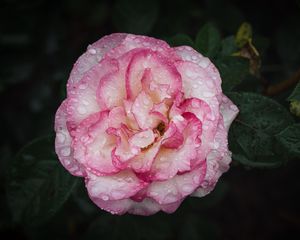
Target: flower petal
column 93, row 146
column 118, row 186
column 82, row 100
column 164, row 79
column 218, row 161
column 63, row 142
column 229, row 111
column 94, row 55
column 141, row 110
column 187, row 53
column 178, row 187
column 170, row 161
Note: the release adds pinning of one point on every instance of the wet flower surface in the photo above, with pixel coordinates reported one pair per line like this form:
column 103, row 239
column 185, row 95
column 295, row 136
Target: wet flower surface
column 145, row 124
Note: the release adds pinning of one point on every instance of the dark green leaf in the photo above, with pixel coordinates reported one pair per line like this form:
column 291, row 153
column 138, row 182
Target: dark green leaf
column 290, row 139
column 38, row 184
column 296, row 93
column 233, row 70
column 228, row 46
column 180, row 40
column 252, row 136
column 208, row 40
column 135, row 16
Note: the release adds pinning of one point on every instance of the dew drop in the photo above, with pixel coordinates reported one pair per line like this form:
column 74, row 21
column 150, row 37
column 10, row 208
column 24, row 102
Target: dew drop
column 104, row 197
column 82, row 86
column 117, row 194
column 208, row 94
column 187, row 188
column 67, row 162
column 60, row 137
column 81, row 110
column 195, row 179
column 204, row 62
column 92, row 51
column 66, row 151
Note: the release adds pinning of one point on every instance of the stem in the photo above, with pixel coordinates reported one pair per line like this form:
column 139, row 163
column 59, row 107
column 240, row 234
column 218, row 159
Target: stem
column 284, row 85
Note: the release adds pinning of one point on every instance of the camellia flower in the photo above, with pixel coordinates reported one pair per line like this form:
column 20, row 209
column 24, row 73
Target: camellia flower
column 145, row 124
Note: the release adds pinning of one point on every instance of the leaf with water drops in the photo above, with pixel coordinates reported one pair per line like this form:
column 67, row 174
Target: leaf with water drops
column 290, row 139
column 252, row 136
column 233, row 71
column 38, row 184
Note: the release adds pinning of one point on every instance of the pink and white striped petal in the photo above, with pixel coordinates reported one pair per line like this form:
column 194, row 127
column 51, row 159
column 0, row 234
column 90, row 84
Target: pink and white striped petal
column 118, row 186
column 93, row 146
column 63, row 143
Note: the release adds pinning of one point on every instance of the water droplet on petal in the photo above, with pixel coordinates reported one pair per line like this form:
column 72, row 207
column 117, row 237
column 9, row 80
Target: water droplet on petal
column 104, row 197
column 66, row 151
column 60, row 137
column 82, row 86
column 67, row 162
column 117, row 194
column 204, row 62
column 187, row 188
column 92, row 51
column 81, row 110
column 196, row 179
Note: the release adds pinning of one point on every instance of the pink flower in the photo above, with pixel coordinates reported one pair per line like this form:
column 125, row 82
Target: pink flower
column 145, row 124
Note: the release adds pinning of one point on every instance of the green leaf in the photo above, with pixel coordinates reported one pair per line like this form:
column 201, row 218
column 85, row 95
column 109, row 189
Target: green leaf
column 208, row 40
column 135, row 16
column 295, row 95
column 252, row 136
column 228, row 46
column 233, row 70
column 38, row 184
column 290, row 139
column 181, row 40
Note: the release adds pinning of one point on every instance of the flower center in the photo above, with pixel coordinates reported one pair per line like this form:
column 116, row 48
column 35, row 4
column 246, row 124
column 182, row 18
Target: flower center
column 161, row 128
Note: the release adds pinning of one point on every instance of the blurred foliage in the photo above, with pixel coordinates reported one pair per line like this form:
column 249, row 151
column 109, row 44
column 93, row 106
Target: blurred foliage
column 254, row 45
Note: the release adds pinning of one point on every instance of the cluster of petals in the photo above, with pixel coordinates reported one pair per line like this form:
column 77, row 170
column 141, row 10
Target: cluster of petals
column 145, row 124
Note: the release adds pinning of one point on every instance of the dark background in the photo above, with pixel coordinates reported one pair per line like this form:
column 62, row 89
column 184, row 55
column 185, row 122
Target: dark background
column 39, row 42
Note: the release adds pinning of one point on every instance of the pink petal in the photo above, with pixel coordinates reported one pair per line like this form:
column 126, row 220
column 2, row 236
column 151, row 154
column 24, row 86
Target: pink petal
column 164, row 76
column 143, row 161
column 178, row 187
column 94, row 55
column 118, row 186
column 143, row 42
column 218, row 161
column 123, row 151
column 141, row 110
column 142, row 139
column 169, row 162
column 63, row 142
column 93, row 146
column 229, row 111
column 173, row 137
column 81, row 95
column 111, row 90
column 190, row 55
